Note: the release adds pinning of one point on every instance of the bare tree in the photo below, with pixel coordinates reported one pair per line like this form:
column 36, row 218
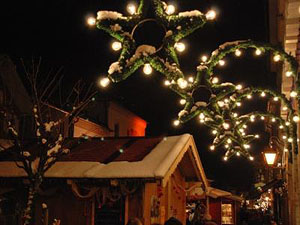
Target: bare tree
column 50, row 128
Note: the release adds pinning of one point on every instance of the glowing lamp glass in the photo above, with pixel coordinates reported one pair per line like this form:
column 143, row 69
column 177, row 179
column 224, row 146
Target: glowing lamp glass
column 104, row 82
column 147, row 69
column 211, row 15
column 131, row 9
column 270, row 157
column 116, row 45
column 170, row 9
column 180, row 47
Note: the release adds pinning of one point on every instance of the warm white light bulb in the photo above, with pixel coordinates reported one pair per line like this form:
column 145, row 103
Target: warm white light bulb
column 204, row 58
column 238, row 52
column 262, row 118
column 238, row 153
column 239, row 87
column 211, row 15
column 273, row 120
column 251, row 158
column 276, row 58
column 246, row 146
column 167, row 83
column 131, row 9
column 116, row 45
column 182, row 83
column 290, row 140
column 284, row 108
column 239, row 104
column 256, row 136
column 275, row 99
column 176, row 122
column 258, row 52
column 293, row 94
column 226, row 126
column 229, row 141
column 212, row 147
column 215, row 80
column 221, row 62
column 225, row 158
column 180, row 47
column 170, row 9
column 284, row 137
column 214, row 132
column 263, row 94
column 201, row 116
column 104, row 82
column 191, row 79
column 221, row 103
column 249, row 96
column 287, row 123
column 235, row 115
column 280, row 127
column 296, row 118
column 91, row 21
column 288, row 73
column 147, row 69
column 182, row 101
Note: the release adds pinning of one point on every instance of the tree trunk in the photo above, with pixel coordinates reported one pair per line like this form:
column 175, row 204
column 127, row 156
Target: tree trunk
column 29, row 213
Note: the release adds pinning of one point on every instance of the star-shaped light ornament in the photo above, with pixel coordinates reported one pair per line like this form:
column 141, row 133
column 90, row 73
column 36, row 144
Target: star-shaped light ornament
column 220, row 113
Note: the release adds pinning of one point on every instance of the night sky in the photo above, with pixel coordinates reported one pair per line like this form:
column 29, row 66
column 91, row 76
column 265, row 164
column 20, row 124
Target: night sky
column 56, row 31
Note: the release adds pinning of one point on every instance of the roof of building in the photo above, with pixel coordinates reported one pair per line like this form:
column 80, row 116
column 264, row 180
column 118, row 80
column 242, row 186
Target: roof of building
column 153, row 158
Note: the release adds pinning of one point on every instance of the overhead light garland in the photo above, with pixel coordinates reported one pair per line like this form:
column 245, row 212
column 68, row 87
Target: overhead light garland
column 219, row 113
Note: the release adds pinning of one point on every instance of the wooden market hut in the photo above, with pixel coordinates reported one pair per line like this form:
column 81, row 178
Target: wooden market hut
column 107, row 181
column 224, row 207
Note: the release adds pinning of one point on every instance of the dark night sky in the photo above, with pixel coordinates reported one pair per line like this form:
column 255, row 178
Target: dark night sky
column 56, row 31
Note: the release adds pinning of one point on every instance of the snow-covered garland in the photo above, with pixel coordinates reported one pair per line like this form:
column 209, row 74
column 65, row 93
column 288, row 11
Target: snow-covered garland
column 219, row 113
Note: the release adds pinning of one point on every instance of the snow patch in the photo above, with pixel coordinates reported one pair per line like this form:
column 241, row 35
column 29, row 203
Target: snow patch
column 190, row 13
column 115, row 67
column 169, row 33
column 115, row 27
column 201, row 67
column 182, row 113
column 103, row 15
column 201, row 104
column 142, row 50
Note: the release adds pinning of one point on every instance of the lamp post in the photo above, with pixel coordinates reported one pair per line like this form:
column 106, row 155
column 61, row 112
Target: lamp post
column 270, row 156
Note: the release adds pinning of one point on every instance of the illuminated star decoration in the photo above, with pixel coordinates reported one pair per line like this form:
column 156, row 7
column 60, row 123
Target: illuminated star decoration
column 219, row 113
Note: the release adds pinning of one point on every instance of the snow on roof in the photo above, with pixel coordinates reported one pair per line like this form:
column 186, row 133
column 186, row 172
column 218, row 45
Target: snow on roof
column 160, row 163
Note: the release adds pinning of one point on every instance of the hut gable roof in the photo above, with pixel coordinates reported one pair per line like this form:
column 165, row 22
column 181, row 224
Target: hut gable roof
column 125, row 158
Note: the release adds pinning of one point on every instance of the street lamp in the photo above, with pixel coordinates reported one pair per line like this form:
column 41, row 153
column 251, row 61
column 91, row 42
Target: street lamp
column 270, row 156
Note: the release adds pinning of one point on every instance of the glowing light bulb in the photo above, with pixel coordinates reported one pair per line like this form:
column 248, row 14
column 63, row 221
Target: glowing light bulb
column 182, row 83
column 204, row 58
column 214, row 132
column 284, row 108
column 258, row 52
column 251, row 158
column 147, row 69
column 238, row 153
column 252, row 118
column 239, row 104
column 226, row 126
column 225, row 158
column 215, row 80
column 116, row 45
column 221, row 62
column 191, row 79
column 201, row 116
column 170, row 9
column 276, row 58
column 176, row 122
column 167, row 83
column 249, row 96
column 180, row 47
column 275, row 99
column 241, row 130
column 293, row 94
column 296, row 118
column 263, row 94
column 287, row 123
column 262, row 118
column 238, row 52
column 104, row 82
column 286, row 150
column 256, row 136
column 182, row 101
column 226, row 146
column 211, row 15
column 131, row 9
column 246, row 146
column 290, row 140
column 226, row 100
column 273, row 120
column 221, row 103
column 212, row 147
column 239, row 87
column 229, row 141
column 235, row 115
column 284, row 137
column 91, row 21
column 288, row 73
column 280, row 127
